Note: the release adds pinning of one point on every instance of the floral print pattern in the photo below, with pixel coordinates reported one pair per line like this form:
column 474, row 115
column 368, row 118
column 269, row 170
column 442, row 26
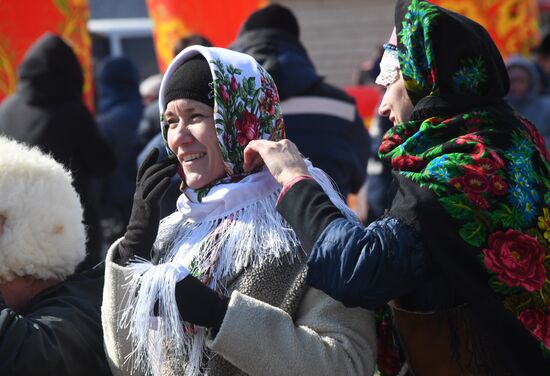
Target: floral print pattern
column 416, row 55
column 490, row 171
column 470, row 77
column 246, row 108
column 498, row 195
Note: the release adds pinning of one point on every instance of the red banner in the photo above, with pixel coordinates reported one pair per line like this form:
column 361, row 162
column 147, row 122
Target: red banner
column 24, row 21
column 219, row 21
column 513, row 24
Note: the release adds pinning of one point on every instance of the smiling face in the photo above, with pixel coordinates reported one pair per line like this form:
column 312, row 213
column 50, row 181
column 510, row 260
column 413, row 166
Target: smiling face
column 192, row 137
column 396, row 103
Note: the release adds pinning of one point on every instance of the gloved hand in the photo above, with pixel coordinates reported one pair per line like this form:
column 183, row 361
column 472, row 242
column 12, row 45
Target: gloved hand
column 199, row 304
column 153, row 179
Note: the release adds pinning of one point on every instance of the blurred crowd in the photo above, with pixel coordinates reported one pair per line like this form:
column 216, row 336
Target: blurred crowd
column 103, row 150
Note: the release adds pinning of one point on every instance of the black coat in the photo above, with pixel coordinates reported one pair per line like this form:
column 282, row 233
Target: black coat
column 58, row 332
column 47, row 111
column 320, row 119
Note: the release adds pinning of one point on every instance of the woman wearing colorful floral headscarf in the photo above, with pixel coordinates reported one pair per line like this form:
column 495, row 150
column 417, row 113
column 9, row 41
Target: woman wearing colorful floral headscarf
column 463, row 255
column 225, row 293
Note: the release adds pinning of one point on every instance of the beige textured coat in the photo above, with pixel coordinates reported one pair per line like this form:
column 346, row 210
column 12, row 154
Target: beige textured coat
column 326, row 338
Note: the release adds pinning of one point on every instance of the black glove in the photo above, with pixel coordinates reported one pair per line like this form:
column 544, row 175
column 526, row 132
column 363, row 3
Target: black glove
column 153, row 179
column 199, row 304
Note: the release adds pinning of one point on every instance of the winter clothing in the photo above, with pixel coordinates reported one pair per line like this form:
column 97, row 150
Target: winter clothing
column 228, row 236
column 319, row 118
column 321, row 337
column 47, row 111
column 44, row 236
column 168, row 201
column 152, row 181
column 58, row 332
column 190, row 80
column 56, row 329
column 149, row 124
column 119, row 112
column 471, row 177
column 149, row 88
column 274, row 16
column 534, row 106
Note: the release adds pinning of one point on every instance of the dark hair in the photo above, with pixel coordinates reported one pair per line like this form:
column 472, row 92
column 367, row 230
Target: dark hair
column 190, row 40
column 274, row 16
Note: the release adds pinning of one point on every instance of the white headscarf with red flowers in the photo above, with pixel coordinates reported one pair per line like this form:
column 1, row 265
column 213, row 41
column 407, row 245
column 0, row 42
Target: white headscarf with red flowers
column 222, row 229
column 246, row 104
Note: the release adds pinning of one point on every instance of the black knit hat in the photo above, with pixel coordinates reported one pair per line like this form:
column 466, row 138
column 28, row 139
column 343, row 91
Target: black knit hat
column 191, row 80
column 273, row 16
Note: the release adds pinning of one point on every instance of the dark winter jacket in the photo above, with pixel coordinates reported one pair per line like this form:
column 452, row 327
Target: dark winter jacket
column 149, row 126
column 372, row 265
column 392, row 261
column 320, row 119
column 47, row 111
column 58, row 332
column 119, row 113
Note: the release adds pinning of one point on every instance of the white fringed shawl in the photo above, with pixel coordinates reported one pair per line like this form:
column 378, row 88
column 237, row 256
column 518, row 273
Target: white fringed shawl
column 235, row 226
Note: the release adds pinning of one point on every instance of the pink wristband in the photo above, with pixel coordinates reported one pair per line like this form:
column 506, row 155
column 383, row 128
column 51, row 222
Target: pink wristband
column 289, row 184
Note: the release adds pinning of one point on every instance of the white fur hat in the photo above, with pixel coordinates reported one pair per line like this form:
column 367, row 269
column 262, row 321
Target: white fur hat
column 43, row 236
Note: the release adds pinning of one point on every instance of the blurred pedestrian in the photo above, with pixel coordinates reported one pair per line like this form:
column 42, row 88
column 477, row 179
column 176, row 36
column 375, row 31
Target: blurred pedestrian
column 47, row 110
column 320, row 118
column 370, row 68
column 376, row 194
column 119, row 112
column 461, row 258
column 190, row 40
column 149, row 124
column 50, row 322
column 524, row 94
column 542, row 63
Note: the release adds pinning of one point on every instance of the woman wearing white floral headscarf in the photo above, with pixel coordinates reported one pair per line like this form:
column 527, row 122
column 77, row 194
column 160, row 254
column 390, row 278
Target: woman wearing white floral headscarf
column 224, row 292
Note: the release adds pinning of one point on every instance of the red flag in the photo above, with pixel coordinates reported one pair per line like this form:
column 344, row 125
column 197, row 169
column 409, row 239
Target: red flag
column 513, row 24
column 24, row 21
column 219, row 21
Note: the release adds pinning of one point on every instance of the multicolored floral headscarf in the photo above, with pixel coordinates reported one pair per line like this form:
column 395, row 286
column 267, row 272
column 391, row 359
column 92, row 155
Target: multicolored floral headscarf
column 246, row 105
column 487, row 168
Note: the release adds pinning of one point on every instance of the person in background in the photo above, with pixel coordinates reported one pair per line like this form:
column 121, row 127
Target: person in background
column 218, row 288
column 190, row 40
column 370, row 68
column 524, row 94
column 47, row 110
column 461, row 258
column 320, row 118
column 542, row 63
column 50, row 322
column 376, row 194
column 119, row 112
column 149, row 124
